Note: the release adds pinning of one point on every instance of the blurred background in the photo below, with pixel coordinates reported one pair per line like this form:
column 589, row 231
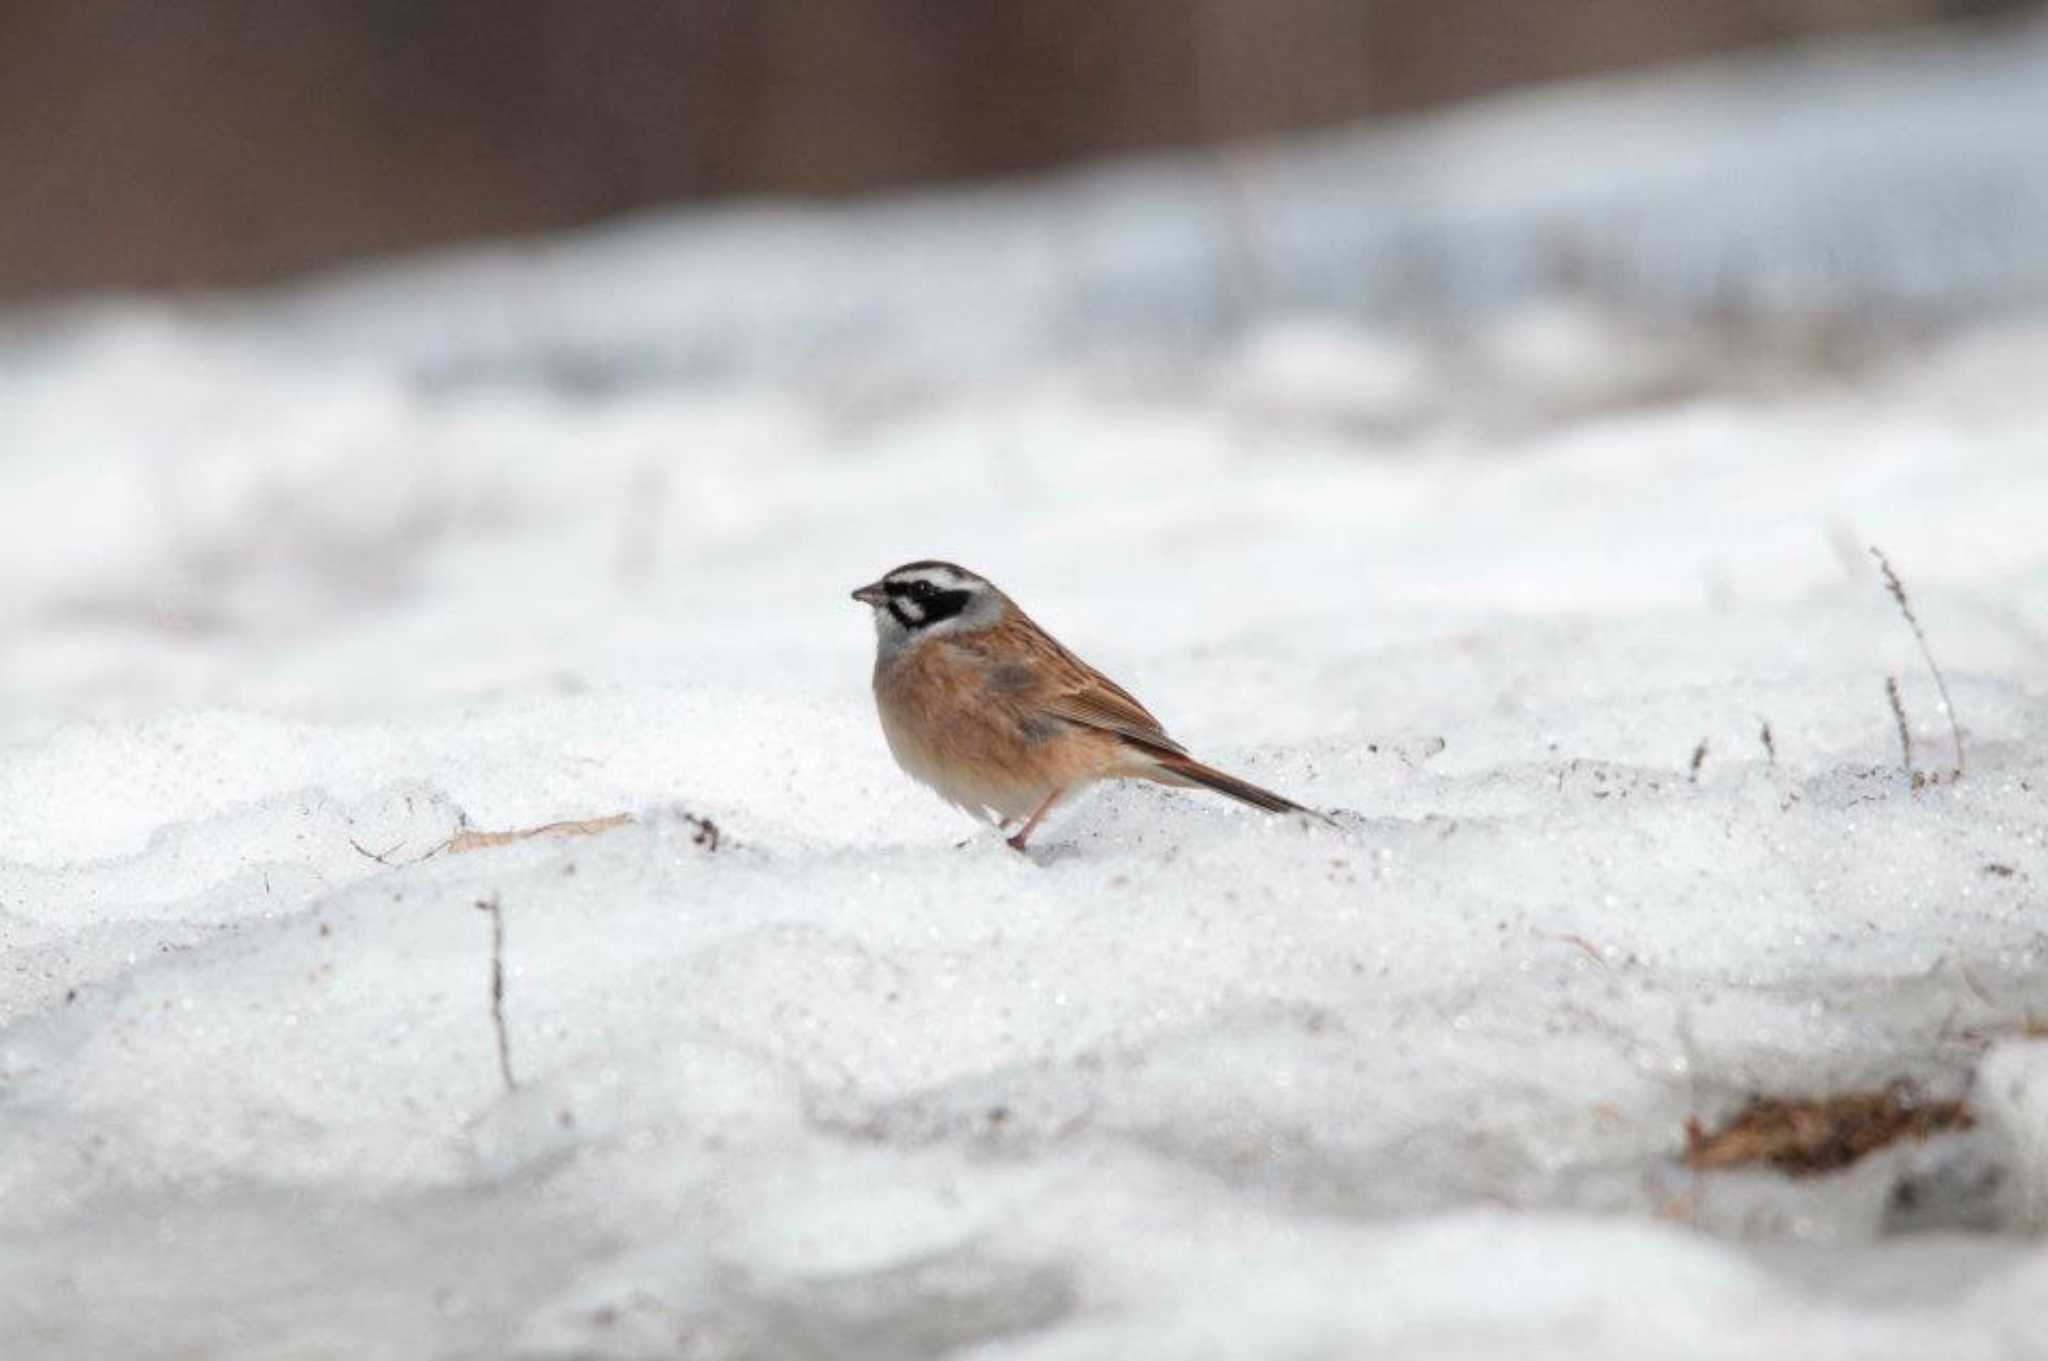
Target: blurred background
column 326, row 319
column 212, row 142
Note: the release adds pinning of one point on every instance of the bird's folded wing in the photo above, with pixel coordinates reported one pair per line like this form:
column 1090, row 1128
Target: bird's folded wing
column 1105, row 706
column 1049, row 680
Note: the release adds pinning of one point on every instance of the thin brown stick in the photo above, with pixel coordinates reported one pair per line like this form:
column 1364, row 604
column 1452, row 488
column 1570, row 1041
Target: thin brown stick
column 497, row 914
column 471, row 840
column 1898, row 593
column 1891, row 691
column 378, row 856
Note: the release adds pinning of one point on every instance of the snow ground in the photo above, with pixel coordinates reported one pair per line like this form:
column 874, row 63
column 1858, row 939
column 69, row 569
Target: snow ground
column 1189, row 1081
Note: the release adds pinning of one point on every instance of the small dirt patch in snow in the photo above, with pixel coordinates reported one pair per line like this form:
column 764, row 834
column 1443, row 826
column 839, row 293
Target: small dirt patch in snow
column 1802, row 1136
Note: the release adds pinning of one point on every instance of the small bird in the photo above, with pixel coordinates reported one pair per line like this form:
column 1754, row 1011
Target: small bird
column 987, row 708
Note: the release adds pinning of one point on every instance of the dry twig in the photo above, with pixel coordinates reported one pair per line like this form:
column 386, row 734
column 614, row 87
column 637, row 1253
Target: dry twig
column 1905, row 604
column 497, row 914
column 472, row 840
column 1891, row 692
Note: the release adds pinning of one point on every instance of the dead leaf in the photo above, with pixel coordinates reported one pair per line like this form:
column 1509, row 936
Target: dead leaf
column 1801, row 1136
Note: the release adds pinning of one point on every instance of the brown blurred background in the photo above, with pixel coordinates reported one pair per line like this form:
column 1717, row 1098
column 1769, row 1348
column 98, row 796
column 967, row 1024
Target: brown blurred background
column 191, row 142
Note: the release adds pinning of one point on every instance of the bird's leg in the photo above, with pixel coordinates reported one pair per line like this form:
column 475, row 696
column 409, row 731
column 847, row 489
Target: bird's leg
column 1017, row 841
column 1001, row 824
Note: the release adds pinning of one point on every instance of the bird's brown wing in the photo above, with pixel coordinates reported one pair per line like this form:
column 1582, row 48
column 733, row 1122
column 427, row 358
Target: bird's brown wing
column 1023, row 673
column 1114, row 711
column 1060, row 685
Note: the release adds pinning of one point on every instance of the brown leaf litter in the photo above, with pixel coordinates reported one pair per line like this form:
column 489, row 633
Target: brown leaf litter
column 1802, row 1136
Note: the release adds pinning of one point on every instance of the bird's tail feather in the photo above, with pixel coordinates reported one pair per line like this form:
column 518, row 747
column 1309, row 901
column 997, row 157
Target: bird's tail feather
column 1186, row 770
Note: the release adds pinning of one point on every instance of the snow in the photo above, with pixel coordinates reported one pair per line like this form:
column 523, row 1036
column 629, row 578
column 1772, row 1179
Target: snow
column 1518, row 598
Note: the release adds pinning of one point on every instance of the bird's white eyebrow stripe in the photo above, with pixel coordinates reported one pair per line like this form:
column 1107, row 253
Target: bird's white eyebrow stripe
column 931, row 576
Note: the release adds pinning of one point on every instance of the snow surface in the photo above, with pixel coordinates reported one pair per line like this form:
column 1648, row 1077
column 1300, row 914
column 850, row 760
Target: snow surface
column 281, row 619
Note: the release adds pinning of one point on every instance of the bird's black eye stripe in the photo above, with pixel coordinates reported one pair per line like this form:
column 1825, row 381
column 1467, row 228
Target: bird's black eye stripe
column 919, row 603
column 945, row 604
column 919, row 590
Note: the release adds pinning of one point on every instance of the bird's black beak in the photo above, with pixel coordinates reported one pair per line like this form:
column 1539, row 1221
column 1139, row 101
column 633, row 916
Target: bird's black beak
column 873, row 594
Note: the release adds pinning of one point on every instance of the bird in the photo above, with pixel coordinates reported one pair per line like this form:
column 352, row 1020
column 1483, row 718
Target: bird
column 989, row 710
